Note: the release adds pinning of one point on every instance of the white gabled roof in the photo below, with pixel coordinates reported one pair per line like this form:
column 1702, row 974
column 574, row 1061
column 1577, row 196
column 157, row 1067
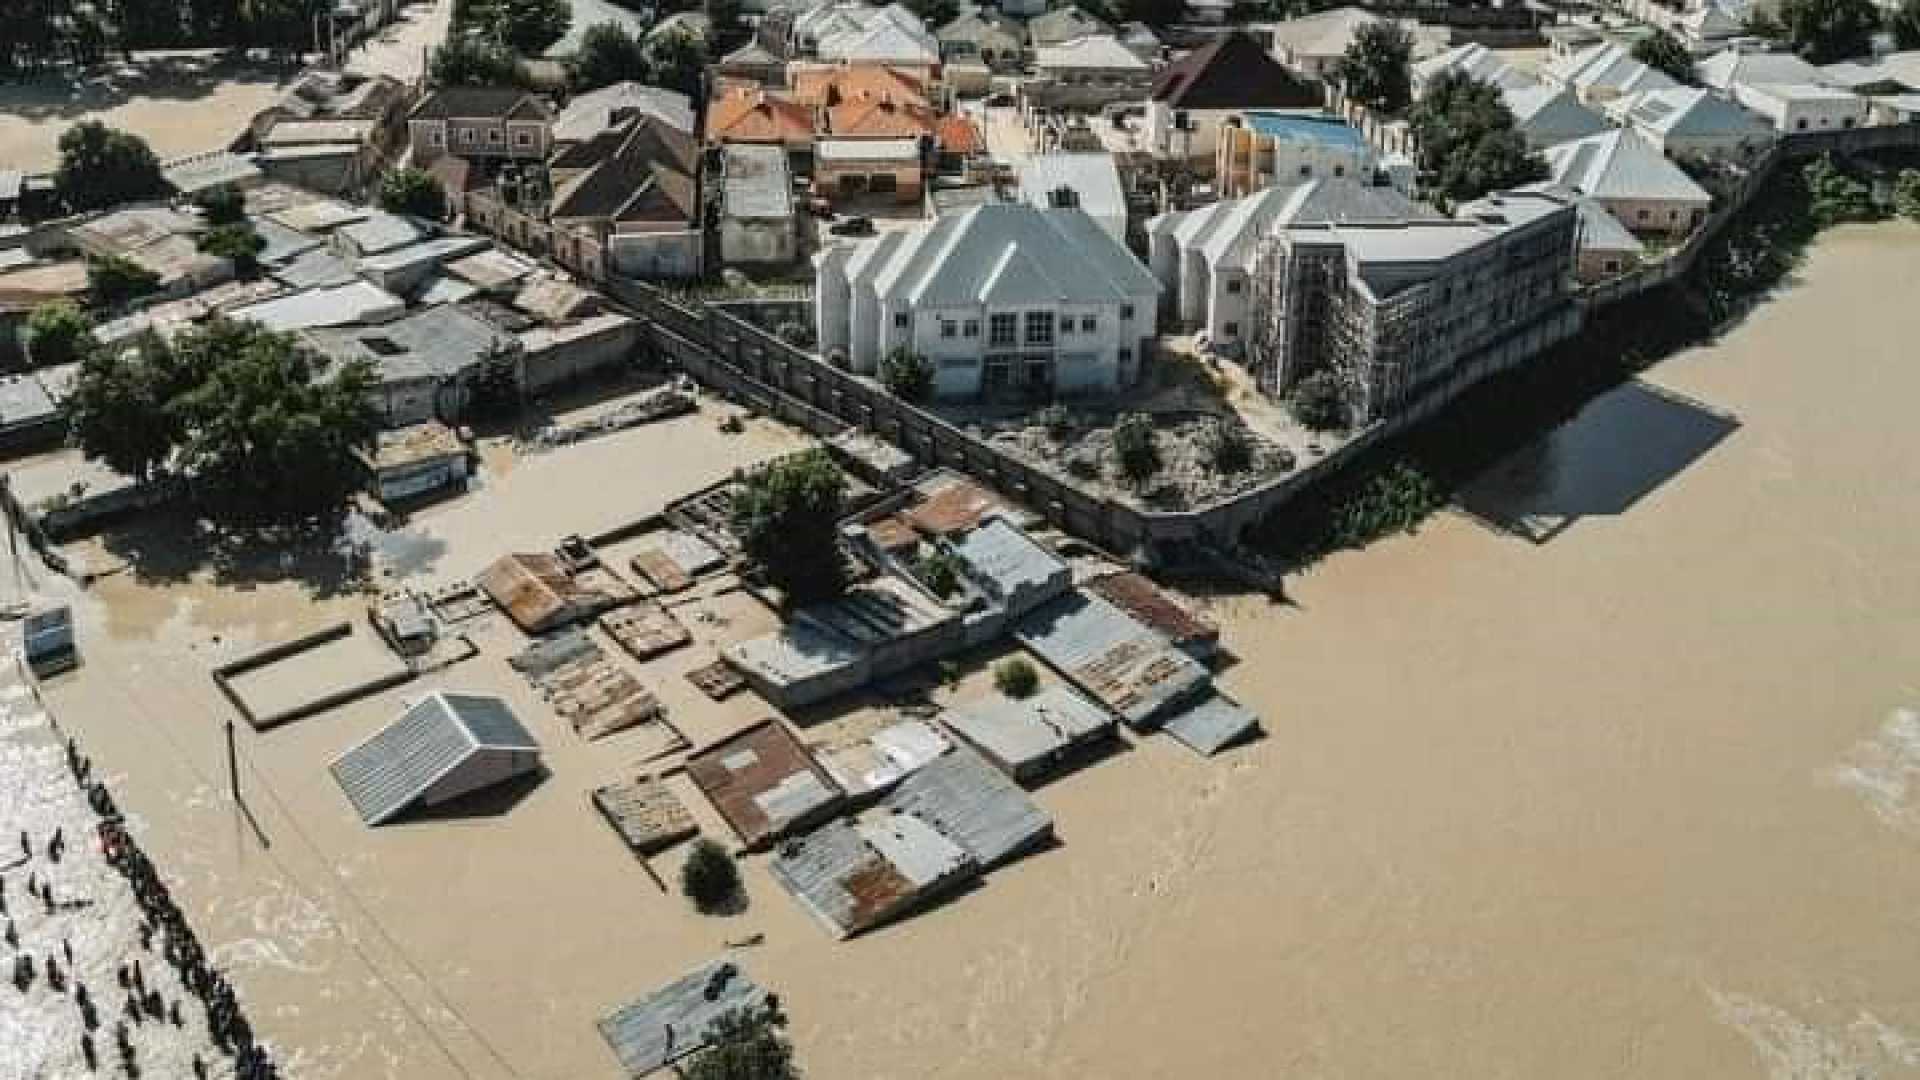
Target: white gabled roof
column 1476, row 60
column 884, row 42
column 1094, row 51
column 1001, row 253
column 1094, row 178
column 1550, row 114
column 1621, row 165
column 1689, row 111
column 602, row 110
column 1730, row 67
column 1609, row 66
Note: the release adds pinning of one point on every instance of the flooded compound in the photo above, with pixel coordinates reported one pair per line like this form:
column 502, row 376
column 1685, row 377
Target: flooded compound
column 1608, row 774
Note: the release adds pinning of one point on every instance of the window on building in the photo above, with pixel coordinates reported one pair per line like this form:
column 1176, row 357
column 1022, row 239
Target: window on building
column 523, row 138
column 1233, row 286
column 1339, row 171
column 436, row 137
column 1641, row 214
column 1087, row 324
column 902, row 320
column 1847, row 122
column 1126, row 311
column 948, row 328
column 1800, row 124
column 1002, row 329
column 1039, row 327
column 1232, row 329
column 1126, row 355
column 971, row 328
column 1306, row 170
column 1066, row 326
column 1182, row 122
column 1673, row 215
column 494, row 136
column 466, row 135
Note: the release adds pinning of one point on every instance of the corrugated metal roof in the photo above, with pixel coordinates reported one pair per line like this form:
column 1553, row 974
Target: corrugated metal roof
column 764, row 783
column 1133, row 670
column 209, row 170
column 855, row 876
column 1139, row 597
column 1011, row 564
column 973, row 804
column 1213, row 725
column 881, row 760
column 1093, row 178
column 390, row 770
column 1023, row 735
column 645, row 812
column 382, row 232
column 672, row 1022
column 1621, row 165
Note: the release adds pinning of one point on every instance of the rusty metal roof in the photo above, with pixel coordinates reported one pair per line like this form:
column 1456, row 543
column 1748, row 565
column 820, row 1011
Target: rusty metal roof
column 1139, row 597
column 1133, row 670
column 764, row 783
column 854, row 876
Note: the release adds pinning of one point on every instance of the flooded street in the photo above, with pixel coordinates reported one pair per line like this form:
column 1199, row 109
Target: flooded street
column 1615, row 773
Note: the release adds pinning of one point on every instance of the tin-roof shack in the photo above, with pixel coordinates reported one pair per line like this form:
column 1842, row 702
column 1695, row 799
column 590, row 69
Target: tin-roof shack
column 1138, row 596
column 1016, row 572
column 441, row 748
column 1026, row 738
column 1133, row 670
column 854, row 876
column 1213, row 724
column 875, row 629
column 646, row 813
column 540, row 593
column 974, row 805
column 412, row 460
column 873, row 765
column 672, row 1022
column 765, row 784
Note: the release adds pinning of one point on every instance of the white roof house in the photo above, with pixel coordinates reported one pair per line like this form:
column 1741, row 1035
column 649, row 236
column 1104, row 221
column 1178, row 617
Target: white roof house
column 607, row 108
column 1604, row 72
column 1546, row 115
column 1093, row 53
column 440, row 748
column 1472, row 59
column 1632, row 179
column 1729, row 68
column 886, row 42
column 1091, row 181
column 1792, row 94
column 1313, row 44
column 1050, row 282
column 1693, row 122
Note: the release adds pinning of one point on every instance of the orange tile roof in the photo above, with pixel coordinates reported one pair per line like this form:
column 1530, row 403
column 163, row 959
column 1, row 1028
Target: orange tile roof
column 827, row 85
column 752, row 116
column 881, row 120
column 959, row 135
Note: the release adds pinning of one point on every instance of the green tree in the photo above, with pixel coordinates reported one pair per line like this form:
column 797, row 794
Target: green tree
column 58, row 332
column 708, row 877
column 265, row 435
column 746, row 1044
column 530, row 27
column 101, row 167
column 1015, row 677
column 1375, row 69
column 1319, row 402
column 935, row 13
column 1468, row 145
column 236, row 242
column 677, row 60
column 1827, row 31
column 467, row 60
column 223, row 205
column 1834, row 197
column 1228, row 447
column 1903, row 23
column 723, row 16
column 496, row 385
column 119, row 408
column 1136, row 448
column 608, row 55
column 787, row 515
column 906, row 374
column 1906, row 194
column 940, row 573
column 413, row 191
column 1664, row 52
column 114, row 280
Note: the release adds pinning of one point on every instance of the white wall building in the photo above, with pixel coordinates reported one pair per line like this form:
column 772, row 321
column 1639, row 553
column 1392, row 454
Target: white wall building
column 1792, row 94
column 1546, row 114
column 1628, row 176
column 1003, row 297
column 1690, row 122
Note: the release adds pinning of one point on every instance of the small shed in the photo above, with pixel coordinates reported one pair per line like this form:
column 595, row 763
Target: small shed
column 854, row 876
column 1138, row 596
column 975, row 805
column 873, row 765
column 645, row 631
column 410, row 461
column 1013, row 569
column 765, row 784
column 540, row 593
column 1024, row 738
column 1119, row 661
column 1213, row 725
column 672, row 1022
column 441, row 748
column 646, row 813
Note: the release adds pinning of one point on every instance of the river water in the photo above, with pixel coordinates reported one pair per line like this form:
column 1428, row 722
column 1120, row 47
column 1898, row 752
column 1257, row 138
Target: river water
column 1615, row 772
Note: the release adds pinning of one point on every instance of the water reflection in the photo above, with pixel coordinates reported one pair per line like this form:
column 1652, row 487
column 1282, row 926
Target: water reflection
column 1616, row 451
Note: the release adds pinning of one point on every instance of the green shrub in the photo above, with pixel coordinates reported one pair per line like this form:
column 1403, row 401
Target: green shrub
column 1056, row 421
column 1016, row 677
column 1319, row 402
column 1906, row 193
column 940, row 573
column 709, row 878
column 222, row 205
column 906, row 374
column 1228, row 447
column 1835, row 197
column 1136, row 448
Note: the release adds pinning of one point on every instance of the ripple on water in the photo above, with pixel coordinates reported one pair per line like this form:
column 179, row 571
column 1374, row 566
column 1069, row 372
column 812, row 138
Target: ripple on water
column 1792, row 1048
column 1885, row 770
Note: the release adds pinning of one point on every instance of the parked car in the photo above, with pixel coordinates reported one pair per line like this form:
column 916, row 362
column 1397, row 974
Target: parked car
column 853, row 226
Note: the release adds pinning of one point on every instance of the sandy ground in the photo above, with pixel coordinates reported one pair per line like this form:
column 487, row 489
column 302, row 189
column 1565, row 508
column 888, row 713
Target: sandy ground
column 1635, row 801
column 186, row 102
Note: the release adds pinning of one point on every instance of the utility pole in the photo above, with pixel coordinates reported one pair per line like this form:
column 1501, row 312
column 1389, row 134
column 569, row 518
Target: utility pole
column 233, row 765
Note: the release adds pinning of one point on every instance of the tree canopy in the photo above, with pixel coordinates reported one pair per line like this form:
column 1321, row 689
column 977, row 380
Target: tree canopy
column 1903, row 23
column 1468, row 145
column 608, row 54
column 906, row 374
column 677, row 60
column 222, row 205
column 746, row 1044
column 1663, row 52
column 469, row 60
column 413, row 191
column 101, row 167
column 1375, row 69
column 1827, row 31
column 236, row 242
column 241, row 410
column 787, row 517
column 57, row 333
column 1319, row 402
column 708, row 877
column 113, row 280
column 530, row 27
column 1136, row 449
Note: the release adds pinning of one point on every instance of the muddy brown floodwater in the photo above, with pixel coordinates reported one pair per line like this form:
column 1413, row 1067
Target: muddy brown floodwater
column 1632, row 798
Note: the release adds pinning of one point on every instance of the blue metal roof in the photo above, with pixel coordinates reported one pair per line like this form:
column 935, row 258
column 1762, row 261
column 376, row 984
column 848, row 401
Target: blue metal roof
column 1328, row 130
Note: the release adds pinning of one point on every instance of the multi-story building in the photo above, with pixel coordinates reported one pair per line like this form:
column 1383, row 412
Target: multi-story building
column 1265, row 149
column 481, row 122
column 1215, row 86
column 1002, row 298
column 1392, row 303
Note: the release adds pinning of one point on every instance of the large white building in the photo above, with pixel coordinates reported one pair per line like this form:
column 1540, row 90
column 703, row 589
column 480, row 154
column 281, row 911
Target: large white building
column 1002, row 298
column 1633, row 180
column 1090, row 181
column 1792, row 94
column 1687, row 122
